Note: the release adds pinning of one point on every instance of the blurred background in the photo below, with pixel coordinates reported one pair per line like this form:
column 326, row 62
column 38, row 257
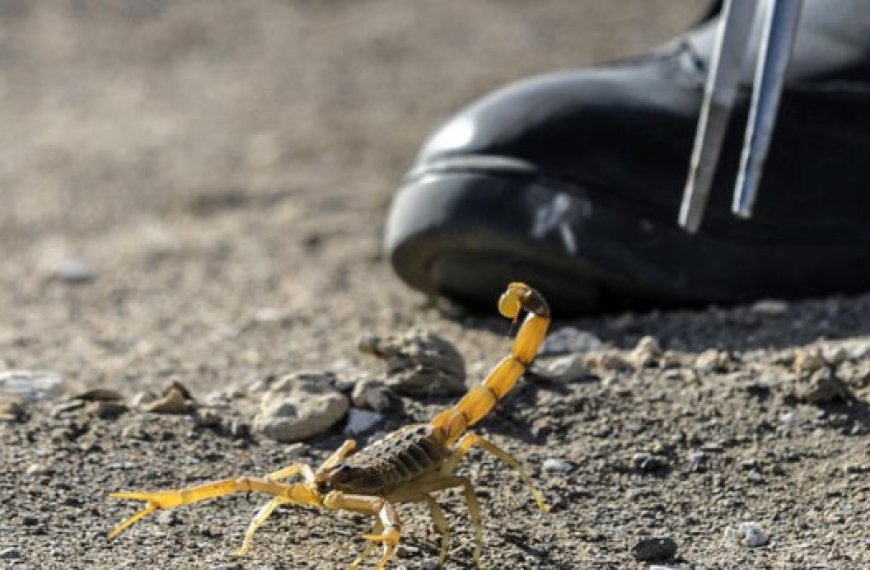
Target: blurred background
column 197, row 188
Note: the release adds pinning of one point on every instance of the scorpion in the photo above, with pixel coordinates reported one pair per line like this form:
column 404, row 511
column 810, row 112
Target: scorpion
column 406, row 466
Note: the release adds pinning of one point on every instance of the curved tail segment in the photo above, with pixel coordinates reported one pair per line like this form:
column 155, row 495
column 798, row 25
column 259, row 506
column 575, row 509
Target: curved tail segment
column 479, row 401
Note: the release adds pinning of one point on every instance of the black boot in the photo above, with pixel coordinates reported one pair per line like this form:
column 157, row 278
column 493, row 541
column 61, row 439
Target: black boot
column 572, row 182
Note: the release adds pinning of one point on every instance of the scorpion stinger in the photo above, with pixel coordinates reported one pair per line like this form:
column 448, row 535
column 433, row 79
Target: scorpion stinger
column 406, row 466
column 478, row 402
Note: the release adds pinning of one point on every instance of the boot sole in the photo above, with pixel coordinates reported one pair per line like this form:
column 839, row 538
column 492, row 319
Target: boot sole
column 464, row 234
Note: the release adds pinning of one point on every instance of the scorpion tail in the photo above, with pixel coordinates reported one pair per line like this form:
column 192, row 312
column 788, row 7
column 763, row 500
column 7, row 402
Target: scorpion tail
column 479, row 401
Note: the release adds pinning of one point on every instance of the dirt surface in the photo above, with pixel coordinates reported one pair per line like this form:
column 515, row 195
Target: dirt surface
column 195, row 191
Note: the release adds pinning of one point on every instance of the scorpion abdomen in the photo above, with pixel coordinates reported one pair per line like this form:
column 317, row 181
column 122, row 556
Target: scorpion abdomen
column 399, row 457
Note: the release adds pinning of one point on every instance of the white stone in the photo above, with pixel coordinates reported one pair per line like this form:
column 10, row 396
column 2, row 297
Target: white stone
column 569, row 340
column 748, row 534
column 359, row 421
column 300, row 406
column 31, row 385
column 557, row 466
column 75, row 270
column 647, row 351
column 563, row 369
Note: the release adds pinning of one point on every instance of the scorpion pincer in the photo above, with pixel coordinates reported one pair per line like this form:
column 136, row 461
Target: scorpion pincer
column 406, row 466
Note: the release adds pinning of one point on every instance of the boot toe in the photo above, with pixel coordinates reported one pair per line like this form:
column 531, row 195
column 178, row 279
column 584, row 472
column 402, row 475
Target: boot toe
column 572, row 181
column 582, row 127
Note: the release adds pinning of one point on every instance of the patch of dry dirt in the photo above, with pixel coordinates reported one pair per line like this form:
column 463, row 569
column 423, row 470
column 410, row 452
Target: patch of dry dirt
column 195, row 191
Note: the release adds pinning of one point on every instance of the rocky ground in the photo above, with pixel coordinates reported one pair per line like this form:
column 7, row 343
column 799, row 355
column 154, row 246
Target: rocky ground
column 193, row 198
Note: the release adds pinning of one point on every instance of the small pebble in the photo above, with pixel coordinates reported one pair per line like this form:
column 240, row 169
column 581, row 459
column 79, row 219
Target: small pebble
column 360, row 421
column 755, row 477
column 677, row 375
column 557, row 466
column 31, row 385
column 11, row 553
column 299, row 406
column 207, row 418
column 562, row 369
column 569, row 340
column 38, row 469
column 270, row 316
column 789, row 421
column 649, row 549
column 648, row 462
column 75, row 270
column 11, row 412
column 165, row 517
column 697, row 460
column 139, row 399
column 754, row 536
column 713, row 360
column 99, row 395
column 122, row 465
column 175, row 399
column 407, row 551
column 132, row 431
column 646, row 353
column 822, row 387
column 67, row 406
column 748, row 534
column 807, row 361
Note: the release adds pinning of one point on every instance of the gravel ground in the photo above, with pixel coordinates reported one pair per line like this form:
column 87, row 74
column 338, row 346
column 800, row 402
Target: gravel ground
column 194, row 192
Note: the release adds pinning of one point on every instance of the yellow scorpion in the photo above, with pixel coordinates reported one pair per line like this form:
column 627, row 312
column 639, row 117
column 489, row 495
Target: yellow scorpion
column 406, row 466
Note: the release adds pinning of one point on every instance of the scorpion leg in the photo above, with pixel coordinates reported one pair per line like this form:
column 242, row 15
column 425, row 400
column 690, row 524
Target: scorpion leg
column 378, row 528
column 375, row 506
column 266, row 510
column 292, row 470
column 471, row 439
column 442, row 526
column 474, row 510
column 338, row 455
column 298, row 493
column 261, row 516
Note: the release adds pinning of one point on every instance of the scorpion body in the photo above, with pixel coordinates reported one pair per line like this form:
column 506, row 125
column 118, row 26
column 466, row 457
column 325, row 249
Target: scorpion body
column 406, row 466
column 395, row 460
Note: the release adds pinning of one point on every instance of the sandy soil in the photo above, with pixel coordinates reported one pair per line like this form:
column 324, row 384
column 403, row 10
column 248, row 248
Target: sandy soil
column 195, row 191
